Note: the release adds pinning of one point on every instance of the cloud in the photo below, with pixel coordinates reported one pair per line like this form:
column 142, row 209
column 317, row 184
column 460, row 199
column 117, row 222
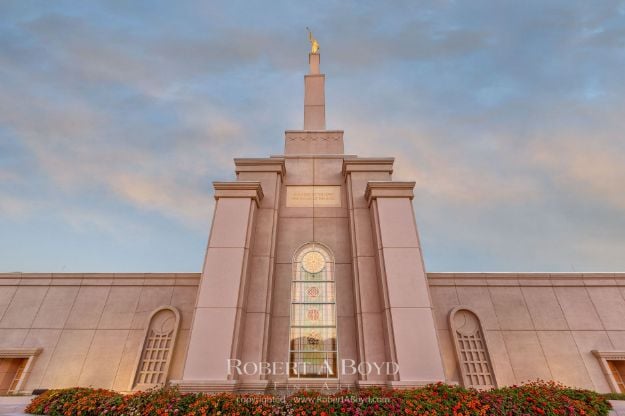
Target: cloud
column 457, row 174
column 14, row 208
column 508, row 116
column 590, row 166
column 163, row 195
column 75, row 147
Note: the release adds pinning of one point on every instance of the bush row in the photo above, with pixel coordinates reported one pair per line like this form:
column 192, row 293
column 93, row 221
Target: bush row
column 536, row 398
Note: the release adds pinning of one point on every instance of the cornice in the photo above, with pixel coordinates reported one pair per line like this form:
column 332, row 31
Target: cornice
column 368, row 164
column 388, row 189
column 19, row 352
column 313, row 135
column 239, row 189
column 531, row 279
column 610, row 355
column 271, row 164
column 99, row 279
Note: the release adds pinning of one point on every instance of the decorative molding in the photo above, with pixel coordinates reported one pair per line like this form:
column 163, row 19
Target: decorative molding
column 20, row 352
column 527, row 279
column 239, row 189
column 388, row 189
column 604, row 357
column 315, row 156
column 313, row 139
column 99, row 279
column 313, row 142
column 272, row 164
column 610, row 355
column 368, row 164
column 313, row 135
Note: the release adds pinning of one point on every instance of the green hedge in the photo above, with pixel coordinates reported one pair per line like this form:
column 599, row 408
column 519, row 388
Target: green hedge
column 614, row 396
column 537, row 398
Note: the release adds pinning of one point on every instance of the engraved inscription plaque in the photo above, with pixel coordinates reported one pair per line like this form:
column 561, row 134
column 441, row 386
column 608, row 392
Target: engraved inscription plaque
column 313, row 196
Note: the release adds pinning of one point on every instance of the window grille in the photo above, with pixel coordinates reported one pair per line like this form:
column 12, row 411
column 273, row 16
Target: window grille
column 614, row 371
column 157, row 349
column 312, row 345
column 471, row 350
column 18, row 374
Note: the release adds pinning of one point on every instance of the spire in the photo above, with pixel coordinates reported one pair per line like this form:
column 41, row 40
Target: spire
column 314, row 94
column 314, row 138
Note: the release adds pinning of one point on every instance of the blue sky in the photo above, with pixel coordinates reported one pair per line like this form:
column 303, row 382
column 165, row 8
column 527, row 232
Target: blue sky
column 116, row 116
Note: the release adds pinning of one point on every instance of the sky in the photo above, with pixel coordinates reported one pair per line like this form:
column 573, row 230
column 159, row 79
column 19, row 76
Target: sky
column 116, row 116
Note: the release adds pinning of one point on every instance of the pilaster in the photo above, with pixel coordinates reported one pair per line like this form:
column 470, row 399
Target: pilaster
column 357, row 173
column 270, row 172
column 218, row 322
column 407, row 308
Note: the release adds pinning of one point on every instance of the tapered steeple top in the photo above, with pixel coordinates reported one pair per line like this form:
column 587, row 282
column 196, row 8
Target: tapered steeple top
column 313, row 62
column 314, row 139
column 314, row 95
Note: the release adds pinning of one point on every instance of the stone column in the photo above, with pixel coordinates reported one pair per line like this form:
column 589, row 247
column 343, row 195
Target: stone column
column 407, row 308
column 218, row 320
column 255, row 341
column 367, row 298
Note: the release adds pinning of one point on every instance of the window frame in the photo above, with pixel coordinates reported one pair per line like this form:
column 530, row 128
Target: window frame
column 459, row 353
column 295, row 265
column 134, row 385
column 604, row 357
column 26, row 353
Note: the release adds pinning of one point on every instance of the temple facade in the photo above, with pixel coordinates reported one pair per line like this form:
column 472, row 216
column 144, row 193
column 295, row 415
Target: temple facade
column 313, row 277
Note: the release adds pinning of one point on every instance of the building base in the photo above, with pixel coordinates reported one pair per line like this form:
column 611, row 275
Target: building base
column 411, row 384
column 206, row 386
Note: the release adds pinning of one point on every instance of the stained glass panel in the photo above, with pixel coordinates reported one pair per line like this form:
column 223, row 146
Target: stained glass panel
column 313, row 315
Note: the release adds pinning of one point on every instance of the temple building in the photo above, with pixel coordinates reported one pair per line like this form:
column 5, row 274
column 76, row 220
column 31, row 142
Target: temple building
column 313, row 277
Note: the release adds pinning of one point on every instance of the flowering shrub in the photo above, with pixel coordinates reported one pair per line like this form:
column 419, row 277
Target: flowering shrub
column 545, row 398
column 536, row 398
column 76, row 401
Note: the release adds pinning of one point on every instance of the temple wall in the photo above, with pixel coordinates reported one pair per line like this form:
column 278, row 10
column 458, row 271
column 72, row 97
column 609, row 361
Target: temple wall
column 90, row 326
column 537, row 325
column 300, row 225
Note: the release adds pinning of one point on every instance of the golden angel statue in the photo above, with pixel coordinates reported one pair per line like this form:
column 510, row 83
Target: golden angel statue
column 314, row 45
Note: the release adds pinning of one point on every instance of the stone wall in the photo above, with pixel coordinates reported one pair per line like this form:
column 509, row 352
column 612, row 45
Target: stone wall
column 90, row 326
column 537, row 325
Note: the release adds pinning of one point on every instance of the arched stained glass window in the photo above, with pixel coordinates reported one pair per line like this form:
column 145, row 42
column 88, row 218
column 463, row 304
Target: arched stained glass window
column 471, row 349
column 313, row 347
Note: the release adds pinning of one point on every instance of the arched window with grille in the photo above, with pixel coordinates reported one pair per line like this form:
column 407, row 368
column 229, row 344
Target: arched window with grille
column 312, row 341
column 157, row 349
column 476, row 368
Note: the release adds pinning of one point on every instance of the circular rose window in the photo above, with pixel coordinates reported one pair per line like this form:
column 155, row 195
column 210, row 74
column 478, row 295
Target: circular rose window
column 313, row 262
